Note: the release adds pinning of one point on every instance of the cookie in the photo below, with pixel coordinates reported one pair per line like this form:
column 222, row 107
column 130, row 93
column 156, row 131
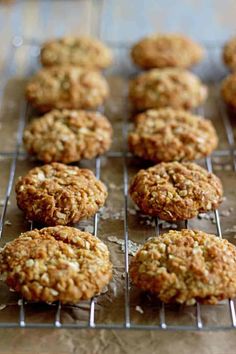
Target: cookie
column 229, row 54
column 158, row 88
column 68, row 136
column 58, row 194
column 166, row 135
column 166, row 50
column 228, row 91
column 56, row 264
column 66, row 87
column 186, row 266
column 175, row 191
column 78, row 51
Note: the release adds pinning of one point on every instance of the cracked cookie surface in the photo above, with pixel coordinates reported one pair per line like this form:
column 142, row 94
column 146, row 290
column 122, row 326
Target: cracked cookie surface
column 57, row 194
column 56, row 264
column 176, row 191
column 66, row 87
column 171, row 135
column 79, row 51
column 166, row 50
column 186, row 266
column 68, row 136
column 158, row 88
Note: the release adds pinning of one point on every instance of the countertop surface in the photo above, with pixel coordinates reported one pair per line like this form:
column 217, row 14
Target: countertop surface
column 115, row 21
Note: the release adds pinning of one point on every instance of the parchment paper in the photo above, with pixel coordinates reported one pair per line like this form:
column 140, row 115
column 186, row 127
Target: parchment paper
column 110, row 305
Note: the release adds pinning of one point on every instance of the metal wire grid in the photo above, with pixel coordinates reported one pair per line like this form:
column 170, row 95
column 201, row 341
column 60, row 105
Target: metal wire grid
column 128, row 324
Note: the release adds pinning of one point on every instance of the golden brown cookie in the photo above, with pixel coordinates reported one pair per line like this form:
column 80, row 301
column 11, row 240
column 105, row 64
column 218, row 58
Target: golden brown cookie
column 229, row 54
column 166, row 50
column 66, row 87
column 158, row 88
column 58, row 194
column 78, row 51
column 68, row 136
column 56, row 264
column 171, row 135
column 228, row 91
column 176, row 191
column 186, row 266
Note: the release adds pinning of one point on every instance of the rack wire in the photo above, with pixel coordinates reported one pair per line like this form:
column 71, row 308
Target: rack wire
column 123, row 155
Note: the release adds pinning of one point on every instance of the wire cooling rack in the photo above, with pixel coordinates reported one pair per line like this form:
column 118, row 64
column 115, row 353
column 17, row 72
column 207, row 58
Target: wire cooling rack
column 197, row 318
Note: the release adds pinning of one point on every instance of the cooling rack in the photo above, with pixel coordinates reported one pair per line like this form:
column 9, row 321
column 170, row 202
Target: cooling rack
column 133, row 310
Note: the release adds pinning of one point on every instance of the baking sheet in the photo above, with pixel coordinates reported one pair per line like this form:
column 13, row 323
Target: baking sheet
column 110, row 306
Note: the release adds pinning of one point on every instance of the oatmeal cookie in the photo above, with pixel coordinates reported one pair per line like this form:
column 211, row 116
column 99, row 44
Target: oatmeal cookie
column 56, row 264
column 79, row 51
column 66, row 87
column 176, row 191
column 170, row 87
column 186, row 266
column 228, row 91
column 166, row 50
column 58, row 194
column 229, row 54
column 68, row 136
column 171, row 135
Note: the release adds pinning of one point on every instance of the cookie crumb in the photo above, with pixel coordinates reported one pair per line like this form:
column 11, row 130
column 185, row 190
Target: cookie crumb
column 206, row 216
column 132, row 211
column 114, row 186
column 2, row 202
column 113, row 288
column 230, row 230
column 139, row 309
column 89, row 229
column 104, row 290
column 167, row 225
column 108, row 213
column 133, row 247
column 225, row 213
